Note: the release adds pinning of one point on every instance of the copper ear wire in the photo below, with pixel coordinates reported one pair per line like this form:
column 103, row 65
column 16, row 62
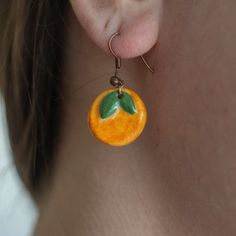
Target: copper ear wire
column 146, row 64
column 115, row 80
column 118, row 60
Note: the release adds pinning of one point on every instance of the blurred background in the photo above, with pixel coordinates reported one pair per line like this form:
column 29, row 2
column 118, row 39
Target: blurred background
column 17, row 212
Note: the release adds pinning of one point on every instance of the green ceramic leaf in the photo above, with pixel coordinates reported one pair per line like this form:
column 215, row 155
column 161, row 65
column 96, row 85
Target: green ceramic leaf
column 109, row 105
column 127, row 103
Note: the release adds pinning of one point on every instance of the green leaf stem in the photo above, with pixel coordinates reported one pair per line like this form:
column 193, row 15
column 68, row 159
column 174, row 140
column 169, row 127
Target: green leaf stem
column 127, row 103
column 111, row 102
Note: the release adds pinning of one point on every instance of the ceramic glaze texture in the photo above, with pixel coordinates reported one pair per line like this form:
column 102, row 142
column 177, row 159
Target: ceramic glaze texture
column 123, row 123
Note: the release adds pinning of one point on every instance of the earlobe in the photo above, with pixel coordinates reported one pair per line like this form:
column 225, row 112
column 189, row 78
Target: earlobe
column 137, row 22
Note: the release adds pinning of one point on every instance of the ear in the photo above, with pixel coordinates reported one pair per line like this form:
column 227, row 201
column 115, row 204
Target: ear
column 137, row 21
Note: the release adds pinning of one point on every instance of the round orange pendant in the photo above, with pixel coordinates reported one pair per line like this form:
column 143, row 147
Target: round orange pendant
column 115, row 120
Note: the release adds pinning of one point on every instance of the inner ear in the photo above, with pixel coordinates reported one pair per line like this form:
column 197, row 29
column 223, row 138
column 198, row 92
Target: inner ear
column 137, row 22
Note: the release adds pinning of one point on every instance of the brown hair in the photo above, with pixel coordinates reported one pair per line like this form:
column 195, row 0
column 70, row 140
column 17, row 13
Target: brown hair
column 31, row 58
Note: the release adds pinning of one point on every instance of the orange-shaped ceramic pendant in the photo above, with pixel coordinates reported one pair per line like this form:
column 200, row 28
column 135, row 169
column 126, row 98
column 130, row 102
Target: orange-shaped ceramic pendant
column 115, row 120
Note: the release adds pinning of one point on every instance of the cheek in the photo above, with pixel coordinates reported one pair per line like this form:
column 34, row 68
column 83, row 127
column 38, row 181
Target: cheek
column 192, row 126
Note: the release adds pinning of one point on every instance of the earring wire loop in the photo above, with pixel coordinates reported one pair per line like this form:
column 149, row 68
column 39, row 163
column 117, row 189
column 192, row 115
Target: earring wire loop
column 146, row 63
column 117, row 58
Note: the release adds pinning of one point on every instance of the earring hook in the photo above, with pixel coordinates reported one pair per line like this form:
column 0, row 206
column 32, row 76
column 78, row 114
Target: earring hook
column 118, row 60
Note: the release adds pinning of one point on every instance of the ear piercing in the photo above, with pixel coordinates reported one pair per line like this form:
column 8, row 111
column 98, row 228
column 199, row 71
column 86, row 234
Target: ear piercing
column 118, row 115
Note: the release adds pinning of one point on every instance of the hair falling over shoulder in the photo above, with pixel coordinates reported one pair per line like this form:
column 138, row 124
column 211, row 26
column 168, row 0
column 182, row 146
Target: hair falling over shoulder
column 31, row 58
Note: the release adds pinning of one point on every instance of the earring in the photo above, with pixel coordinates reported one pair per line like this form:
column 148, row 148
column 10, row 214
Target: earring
column 118, row 115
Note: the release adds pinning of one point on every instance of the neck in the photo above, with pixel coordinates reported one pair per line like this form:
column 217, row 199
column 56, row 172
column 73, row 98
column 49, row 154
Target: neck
column 139, row 189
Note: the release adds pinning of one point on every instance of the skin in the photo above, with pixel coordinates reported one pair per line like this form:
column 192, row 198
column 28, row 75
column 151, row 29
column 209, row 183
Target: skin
column 178, row 178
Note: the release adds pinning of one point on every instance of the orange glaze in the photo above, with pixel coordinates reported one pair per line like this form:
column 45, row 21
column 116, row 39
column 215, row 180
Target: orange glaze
column 121, row 128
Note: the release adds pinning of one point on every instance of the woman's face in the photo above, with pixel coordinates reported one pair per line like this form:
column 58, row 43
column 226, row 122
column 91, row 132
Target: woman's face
column 178, row 178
